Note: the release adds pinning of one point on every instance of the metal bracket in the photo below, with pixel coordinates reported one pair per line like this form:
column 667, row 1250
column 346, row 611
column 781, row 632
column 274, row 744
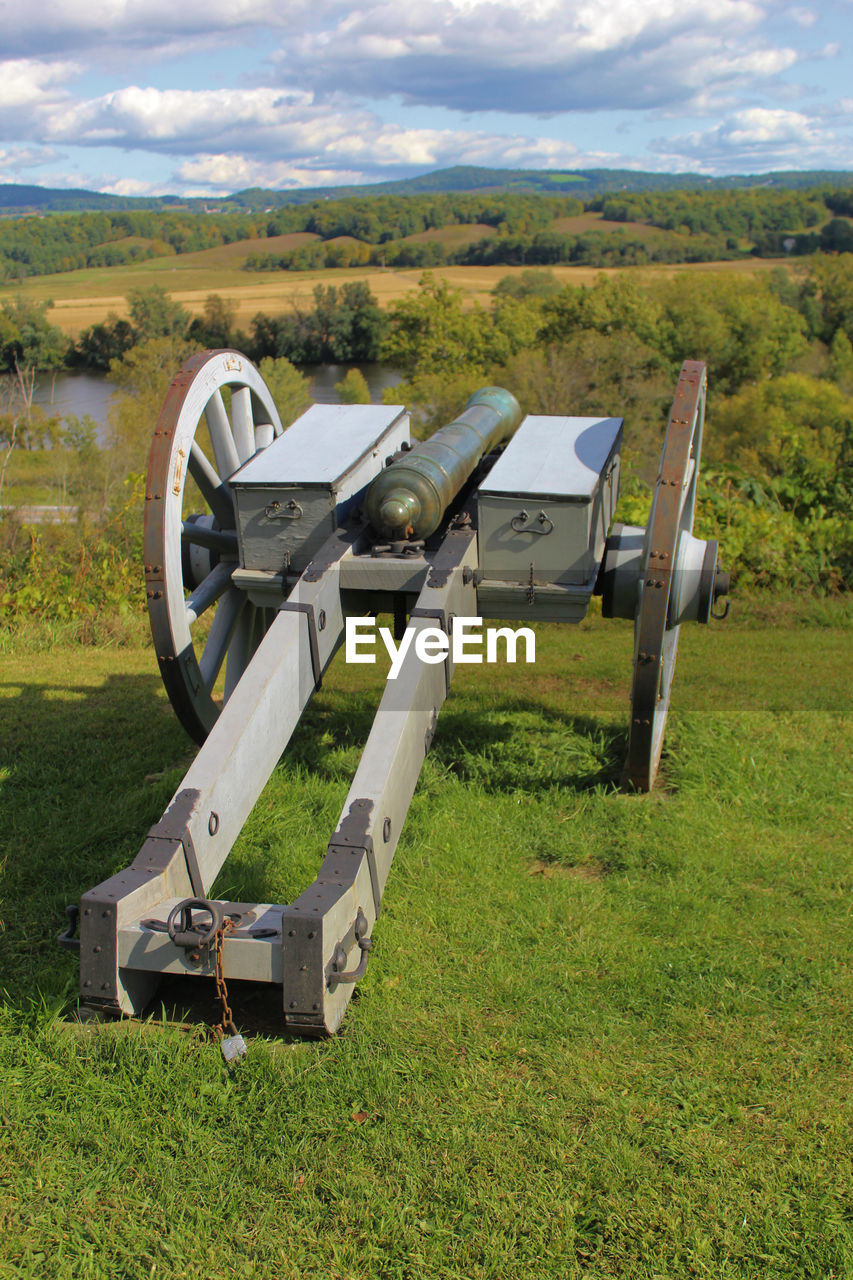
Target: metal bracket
column 68, row 939
column 445, row 622
column 308, row 609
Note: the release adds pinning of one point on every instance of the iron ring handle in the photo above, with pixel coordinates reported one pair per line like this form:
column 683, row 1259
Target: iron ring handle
column 519, row 524
column 352, row 975
column 179, row 923
column 290, row 511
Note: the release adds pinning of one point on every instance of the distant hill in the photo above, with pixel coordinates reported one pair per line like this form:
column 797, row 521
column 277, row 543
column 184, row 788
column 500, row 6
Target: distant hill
column 582, row 183
column 16, row 200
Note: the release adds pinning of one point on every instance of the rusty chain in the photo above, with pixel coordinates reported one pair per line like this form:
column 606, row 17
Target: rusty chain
column 226, row 1025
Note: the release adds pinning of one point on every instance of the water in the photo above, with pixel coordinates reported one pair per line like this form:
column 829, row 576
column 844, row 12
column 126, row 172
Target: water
column 85, row 392
column 74, row 394
column 324, row 376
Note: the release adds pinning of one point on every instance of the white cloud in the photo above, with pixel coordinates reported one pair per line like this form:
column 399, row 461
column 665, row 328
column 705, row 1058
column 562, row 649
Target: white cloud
column 282, row 133
column 27, row 83
column 223, row 174
column 759, row 138
column 545, row 57
column 471, row 55
column 149, row 25
column 802, row 16
column 15, row 161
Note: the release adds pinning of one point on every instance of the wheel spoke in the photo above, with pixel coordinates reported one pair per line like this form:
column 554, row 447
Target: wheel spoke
column 215, row 492
column 221, row 631
column 208, row 592
column 244, row 426
column 240, row 649
column 224, row 449
column 222, row 540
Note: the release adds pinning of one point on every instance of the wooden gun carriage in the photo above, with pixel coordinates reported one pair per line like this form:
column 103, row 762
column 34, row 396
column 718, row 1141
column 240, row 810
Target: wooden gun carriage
column 260, row 545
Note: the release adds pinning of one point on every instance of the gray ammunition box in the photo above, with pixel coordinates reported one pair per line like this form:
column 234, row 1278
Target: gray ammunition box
column 543, row 514
column 294, row 494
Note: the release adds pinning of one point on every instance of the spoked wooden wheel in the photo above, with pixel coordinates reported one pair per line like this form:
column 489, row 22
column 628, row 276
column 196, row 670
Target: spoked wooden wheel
column 667, row 571
column 201, row 621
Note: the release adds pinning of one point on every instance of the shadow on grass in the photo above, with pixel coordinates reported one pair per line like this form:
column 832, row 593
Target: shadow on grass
column 84, row 771
column 522, row 744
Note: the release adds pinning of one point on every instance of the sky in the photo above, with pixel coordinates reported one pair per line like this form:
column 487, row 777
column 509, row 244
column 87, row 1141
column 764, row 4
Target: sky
column 206, row 97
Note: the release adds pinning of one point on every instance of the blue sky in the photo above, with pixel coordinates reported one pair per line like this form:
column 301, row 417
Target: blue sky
column 205, row 97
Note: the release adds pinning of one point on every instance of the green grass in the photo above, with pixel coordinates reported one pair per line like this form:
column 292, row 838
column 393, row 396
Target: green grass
column 38, row 477
column 599, row 1035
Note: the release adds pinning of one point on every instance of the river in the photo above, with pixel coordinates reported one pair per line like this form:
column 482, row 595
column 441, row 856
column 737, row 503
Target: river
column 85, row 392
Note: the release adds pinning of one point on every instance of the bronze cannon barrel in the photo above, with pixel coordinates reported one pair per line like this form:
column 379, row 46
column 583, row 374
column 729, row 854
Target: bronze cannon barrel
column 410, row 496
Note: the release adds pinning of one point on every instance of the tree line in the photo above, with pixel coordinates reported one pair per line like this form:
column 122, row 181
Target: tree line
column 779, row 456
column 378, row 230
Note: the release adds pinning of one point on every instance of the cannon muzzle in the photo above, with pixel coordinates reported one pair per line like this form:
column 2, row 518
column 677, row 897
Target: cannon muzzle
column 409, row 498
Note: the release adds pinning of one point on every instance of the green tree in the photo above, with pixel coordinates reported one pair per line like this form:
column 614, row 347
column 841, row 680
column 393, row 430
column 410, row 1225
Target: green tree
column 532, row 283
column 741, row 328
column 832, row 280
column 142, row 377
column 98, row 346
column 290, row 390
column 154, row 314
column 613, row 305
column 215, row 326
column 29, row 340
column 841, row 361
column 593, row 374
column 353, row 388
column 795, row 433
column 435, row 398
column 433, row 332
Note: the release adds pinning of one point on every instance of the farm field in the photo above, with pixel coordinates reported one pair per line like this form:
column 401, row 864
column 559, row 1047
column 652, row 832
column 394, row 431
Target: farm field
column 599, row 1035
column 83, row 298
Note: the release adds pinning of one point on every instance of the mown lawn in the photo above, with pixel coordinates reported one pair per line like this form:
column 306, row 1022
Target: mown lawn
column 599, row 1035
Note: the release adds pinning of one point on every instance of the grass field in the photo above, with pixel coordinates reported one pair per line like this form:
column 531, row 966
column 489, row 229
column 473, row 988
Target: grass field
column 80, row 299
column 600, row 1035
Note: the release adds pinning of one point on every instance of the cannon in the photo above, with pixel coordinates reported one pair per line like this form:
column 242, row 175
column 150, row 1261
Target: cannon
column 266, row 548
